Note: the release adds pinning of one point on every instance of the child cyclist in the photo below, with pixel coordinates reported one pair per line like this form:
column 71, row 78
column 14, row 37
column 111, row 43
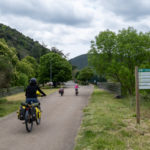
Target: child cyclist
column 76, row 88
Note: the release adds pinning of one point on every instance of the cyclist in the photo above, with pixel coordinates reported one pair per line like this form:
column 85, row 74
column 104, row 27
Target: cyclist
column 61, row 90
column 76, row 88
column 31, row 96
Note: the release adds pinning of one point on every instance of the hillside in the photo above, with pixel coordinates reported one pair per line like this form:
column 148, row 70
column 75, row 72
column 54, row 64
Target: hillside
column 23, row 45
column 80, row 61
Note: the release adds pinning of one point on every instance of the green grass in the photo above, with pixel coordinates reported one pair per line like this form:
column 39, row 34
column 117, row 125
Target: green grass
column 7, row 107
column 110, row 124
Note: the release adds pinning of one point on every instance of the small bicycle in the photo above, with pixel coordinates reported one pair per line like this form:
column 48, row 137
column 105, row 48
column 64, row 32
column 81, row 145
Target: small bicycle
column 76, row 92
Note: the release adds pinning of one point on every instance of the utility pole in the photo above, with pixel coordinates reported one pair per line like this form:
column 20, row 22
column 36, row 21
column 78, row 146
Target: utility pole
column 51, row 71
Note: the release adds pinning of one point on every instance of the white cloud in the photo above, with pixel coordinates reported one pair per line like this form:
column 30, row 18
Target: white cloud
column 49, row 11
column 70, row 25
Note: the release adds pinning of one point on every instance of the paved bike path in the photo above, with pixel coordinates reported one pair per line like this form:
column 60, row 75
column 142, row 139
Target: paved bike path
column 61, row 118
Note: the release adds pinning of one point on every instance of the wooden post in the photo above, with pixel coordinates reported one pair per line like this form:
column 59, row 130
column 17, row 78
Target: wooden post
column 137, row 95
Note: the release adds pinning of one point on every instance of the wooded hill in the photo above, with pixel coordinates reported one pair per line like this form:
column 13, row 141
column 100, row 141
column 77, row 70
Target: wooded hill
column 23, row 44
column 80, row 61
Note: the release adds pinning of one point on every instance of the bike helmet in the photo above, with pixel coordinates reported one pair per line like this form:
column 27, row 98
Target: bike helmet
column 33, row 81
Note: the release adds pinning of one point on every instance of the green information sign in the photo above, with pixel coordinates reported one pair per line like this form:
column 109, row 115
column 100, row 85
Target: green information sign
column 143, row 70
column 144, row 78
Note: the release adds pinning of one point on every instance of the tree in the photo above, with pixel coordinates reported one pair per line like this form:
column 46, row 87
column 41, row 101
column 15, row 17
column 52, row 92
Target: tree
column 60, row 67
column 85, row 74
column 8, row 60
column 25, row 68
column 33, row 63
column 5, row 72
column 115, row 56
column 60, row 52
column 22, row 79
column 8, row 52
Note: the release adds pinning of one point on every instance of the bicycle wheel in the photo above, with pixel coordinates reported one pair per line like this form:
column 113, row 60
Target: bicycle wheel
column 28, row 121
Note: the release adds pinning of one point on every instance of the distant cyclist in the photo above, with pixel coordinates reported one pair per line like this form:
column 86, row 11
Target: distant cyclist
column 76, row 89
column 31, row 96
column 61, row 91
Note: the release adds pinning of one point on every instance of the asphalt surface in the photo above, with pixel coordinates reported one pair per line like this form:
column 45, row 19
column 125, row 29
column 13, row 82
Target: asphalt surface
column 61, row 119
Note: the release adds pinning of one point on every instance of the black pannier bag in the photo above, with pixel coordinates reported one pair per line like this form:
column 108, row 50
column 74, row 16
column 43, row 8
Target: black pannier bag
column 34, row 113
column 21, row 114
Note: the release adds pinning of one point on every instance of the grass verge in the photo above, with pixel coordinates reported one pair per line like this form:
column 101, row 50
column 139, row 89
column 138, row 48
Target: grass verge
column 7, row 107
column 110, row 124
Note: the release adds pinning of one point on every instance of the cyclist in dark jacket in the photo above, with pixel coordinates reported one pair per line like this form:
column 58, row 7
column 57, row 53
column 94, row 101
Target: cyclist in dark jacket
column 31, row 90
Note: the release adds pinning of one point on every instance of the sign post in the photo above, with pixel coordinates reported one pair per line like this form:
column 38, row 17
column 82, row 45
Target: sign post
column 137, row 95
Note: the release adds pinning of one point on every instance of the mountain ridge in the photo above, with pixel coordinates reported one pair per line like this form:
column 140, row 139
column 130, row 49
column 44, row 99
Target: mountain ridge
column 24, row 45
column 80, row 61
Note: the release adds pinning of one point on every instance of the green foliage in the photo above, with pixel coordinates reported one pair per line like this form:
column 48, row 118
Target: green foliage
column 33, row 63
column 26, row 68
column 7, row 107
column 12, row 71
column 60, row 67
column 8, row 52
column 22, row 80
column 5, row 72
column 85, row 74
column 8, row 60
column 57, row 51
column 2, row 100
column 24, row 45
column 115, row 56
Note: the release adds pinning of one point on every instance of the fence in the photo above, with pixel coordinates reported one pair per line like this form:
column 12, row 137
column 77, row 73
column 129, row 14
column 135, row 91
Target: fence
column 111, row 86
column 10, row 91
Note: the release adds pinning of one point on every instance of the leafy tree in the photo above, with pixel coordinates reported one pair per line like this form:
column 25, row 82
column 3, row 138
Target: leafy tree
column 5, row 72
column 8, row 60
column 57, row 51
column 22, row 79
column 33, row 63
column 25, row 68
column 8, row 52
column 115, row 56
column 60, row 67
column 85, row 74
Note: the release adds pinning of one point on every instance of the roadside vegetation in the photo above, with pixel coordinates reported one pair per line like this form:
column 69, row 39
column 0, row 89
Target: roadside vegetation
column 16, row 70
column 110, row 124
column 115, row 55
column 7, row 107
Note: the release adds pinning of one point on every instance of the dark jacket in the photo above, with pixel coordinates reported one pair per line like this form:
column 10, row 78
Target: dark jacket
column 31, row 91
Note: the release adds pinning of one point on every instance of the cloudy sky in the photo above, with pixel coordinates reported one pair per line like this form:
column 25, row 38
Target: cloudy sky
column 70, row 25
